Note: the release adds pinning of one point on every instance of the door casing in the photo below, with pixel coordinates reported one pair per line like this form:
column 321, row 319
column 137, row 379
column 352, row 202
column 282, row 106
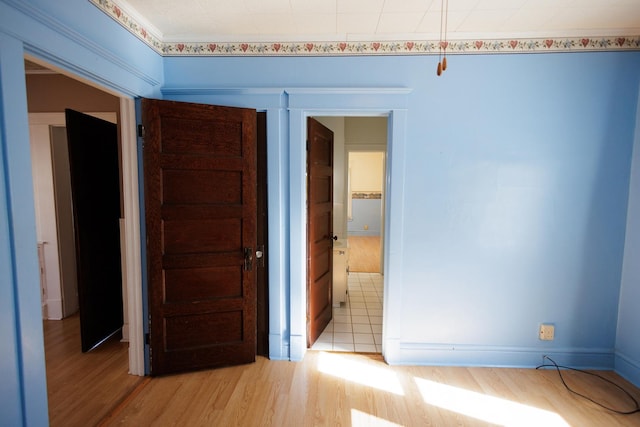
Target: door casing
column 387, row 103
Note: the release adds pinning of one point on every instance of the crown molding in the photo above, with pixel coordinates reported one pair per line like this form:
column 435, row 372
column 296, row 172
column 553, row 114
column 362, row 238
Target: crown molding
column 149, row 35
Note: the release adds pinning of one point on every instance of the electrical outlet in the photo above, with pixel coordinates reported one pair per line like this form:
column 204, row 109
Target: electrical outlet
column 546, row 332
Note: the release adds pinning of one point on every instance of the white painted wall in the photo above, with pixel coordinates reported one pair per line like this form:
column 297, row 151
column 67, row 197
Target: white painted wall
column 46, row 230
column 366, row 171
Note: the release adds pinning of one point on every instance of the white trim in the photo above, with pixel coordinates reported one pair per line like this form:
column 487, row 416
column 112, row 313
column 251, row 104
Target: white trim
column 132, row 274
column 125, row 298
column 53, row 309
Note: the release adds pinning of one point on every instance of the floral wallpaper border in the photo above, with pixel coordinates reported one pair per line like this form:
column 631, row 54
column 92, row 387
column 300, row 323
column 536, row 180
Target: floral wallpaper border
column 366, row 195
column 350, row 48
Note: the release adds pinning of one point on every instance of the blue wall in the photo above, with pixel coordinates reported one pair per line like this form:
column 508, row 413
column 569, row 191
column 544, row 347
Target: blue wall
column 519, row 217
column 508, row 194
column 365, row 212
column 514, row 179
column 21, row 352
column 628, row 336
column 75, row 37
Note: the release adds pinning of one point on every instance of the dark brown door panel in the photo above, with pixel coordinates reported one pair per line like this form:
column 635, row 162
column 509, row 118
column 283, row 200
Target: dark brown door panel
column 319, row 229
column 200, row 168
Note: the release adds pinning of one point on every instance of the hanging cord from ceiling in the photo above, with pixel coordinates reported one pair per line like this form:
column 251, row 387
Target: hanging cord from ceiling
column 443, row 43
column 557, row 367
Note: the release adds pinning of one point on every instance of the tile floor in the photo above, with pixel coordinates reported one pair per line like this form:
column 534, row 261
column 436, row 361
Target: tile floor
column 357, row 324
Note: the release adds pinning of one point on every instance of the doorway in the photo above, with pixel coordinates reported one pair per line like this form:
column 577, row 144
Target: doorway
column 357, row 317
column 49, row 92
column 365, row 210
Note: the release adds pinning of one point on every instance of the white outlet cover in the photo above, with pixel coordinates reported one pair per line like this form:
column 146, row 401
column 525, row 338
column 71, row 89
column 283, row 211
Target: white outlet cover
column 547, row 332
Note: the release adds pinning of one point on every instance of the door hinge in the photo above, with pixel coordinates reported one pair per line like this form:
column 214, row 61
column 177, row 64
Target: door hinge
column 140, row 131
column 307, row 145
column 147, row 341
column 147, row 335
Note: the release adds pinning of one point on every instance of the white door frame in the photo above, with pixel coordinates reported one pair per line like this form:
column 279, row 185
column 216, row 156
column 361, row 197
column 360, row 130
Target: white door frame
column 131, row 250
column 305, row 102
column 130, row 238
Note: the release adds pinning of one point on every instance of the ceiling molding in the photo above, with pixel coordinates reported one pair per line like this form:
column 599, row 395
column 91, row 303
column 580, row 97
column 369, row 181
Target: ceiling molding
column 149, row 35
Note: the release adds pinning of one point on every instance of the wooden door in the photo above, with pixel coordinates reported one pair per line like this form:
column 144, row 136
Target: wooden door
column 200, row 191
column 320, row 228
column 95, row 189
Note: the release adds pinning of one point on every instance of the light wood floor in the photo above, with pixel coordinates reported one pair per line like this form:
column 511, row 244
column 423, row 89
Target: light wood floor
column 83, row 388
column 325, row 389
column 364, row 254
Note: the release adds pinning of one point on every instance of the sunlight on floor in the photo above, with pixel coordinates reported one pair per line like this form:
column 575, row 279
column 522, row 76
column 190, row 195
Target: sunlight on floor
column 362, row 419
column 359, row 372
column 486, row 408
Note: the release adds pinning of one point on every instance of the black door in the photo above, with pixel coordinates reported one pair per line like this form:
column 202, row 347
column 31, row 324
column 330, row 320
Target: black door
column 95, row 188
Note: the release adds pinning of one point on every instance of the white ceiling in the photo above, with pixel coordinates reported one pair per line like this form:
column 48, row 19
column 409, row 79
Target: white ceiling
column 380, row 20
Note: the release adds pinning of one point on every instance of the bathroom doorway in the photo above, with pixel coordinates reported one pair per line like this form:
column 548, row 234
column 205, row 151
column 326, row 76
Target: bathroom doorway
column 356, row 324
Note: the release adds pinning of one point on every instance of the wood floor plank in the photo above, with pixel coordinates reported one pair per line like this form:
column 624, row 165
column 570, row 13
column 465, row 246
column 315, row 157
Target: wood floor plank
column 83, row 388
column 279, row 393
column 325, row 389
column 364, row 254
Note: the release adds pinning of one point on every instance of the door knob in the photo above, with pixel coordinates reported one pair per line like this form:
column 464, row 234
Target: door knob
column 260, row 255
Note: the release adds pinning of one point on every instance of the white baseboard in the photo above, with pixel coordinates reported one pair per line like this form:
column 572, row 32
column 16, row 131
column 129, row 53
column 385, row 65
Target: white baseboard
column 125, row 333
column 54, row 309
column 297, row 348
